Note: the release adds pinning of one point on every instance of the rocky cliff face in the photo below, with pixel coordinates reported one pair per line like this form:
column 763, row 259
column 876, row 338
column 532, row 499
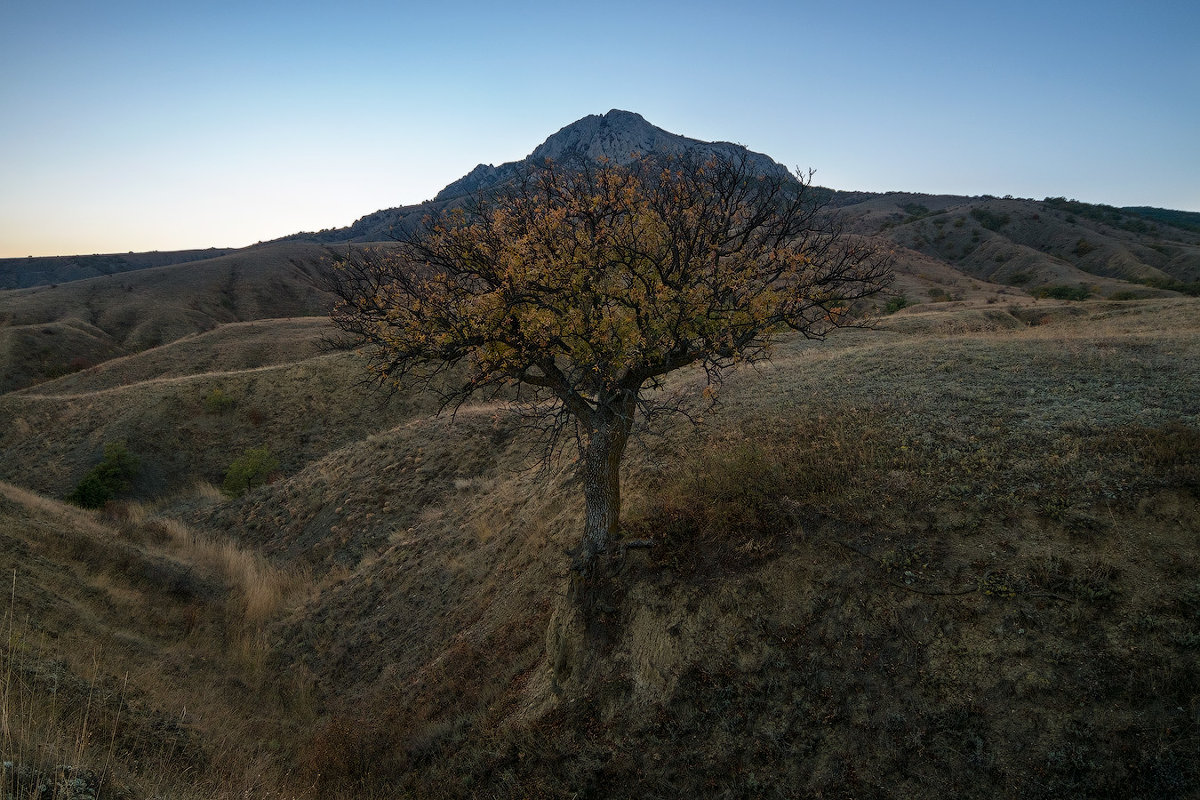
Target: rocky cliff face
column 619, row 136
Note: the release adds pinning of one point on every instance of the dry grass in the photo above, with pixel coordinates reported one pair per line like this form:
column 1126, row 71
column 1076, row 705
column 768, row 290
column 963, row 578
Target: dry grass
column 124, row 630
column 99, row 318
column 300, row 411
column 925, row 560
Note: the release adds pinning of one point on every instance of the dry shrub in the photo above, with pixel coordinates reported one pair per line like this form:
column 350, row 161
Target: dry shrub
column 205, row 490
column 734, row 488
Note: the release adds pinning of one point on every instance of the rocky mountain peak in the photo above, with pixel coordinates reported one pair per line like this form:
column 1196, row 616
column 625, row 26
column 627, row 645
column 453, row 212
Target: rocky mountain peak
column 618, row 136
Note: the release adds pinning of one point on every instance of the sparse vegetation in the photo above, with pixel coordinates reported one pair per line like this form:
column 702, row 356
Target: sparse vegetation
column 956, row 556
column 80, row 717
column 1189, row 288
column 1013, row 496
column 1186, row 220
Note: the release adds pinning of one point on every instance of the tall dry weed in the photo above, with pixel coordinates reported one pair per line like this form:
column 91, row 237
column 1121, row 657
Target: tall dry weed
column 263, row 587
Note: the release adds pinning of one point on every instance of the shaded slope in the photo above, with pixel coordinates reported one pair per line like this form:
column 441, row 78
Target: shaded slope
column 956, row 555
column 129, row 655
column 229, row 347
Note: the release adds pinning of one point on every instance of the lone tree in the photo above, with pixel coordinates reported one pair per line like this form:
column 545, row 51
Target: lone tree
column 585, row 284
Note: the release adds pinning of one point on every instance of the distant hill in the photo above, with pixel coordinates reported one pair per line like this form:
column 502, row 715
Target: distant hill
column 1053, row 245
column 20, row 273
column 1033, row 245
column 48, row 331
column 618, row 136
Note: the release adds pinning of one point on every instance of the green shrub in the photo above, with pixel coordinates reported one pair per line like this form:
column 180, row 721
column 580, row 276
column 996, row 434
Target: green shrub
column 896, row 303
column 217, row 401
column 250, row 469
column 990, row 219
column 1064, row 292
column 107, row 479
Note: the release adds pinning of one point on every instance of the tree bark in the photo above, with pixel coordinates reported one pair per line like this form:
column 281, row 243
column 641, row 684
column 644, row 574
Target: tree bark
column 602, row 443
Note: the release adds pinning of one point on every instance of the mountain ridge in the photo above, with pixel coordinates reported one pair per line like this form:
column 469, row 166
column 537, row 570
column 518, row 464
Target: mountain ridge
column 1050, row 242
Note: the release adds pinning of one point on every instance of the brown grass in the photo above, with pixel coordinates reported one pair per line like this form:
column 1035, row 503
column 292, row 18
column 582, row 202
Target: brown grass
column 108, row 595
column 954, row 557
column 131, row 312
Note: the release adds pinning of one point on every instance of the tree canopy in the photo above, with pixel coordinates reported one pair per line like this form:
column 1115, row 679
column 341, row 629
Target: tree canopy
column 586, row 283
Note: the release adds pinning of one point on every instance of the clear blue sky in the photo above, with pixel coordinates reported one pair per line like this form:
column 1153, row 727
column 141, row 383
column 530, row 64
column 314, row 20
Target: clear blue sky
column 163, row 125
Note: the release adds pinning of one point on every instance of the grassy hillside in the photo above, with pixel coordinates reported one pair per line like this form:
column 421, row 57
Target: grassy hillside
column 1036, row 245
column 132, row 660
column 21, row 273
column 49, row 331
column 191, row 427
column 953, row 556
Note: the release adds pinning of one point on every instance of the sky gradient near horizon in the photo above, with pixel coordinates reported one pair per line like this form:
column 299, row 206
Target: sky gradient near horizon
column 133, row 126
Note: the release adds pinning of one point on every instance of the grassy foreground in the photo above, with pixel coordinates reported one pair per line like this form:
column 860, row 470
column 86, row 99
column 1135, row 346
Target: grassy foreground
column 957, row 556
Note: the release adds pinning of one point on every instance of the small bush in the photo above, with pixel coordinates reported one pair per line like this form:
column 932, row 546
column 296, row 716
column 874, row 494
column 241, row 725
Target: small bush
column 990, row 219
column 1064, row 292
column 107, row 479
column 1083, row 247
column 217, row 401
column 915, row 211
column 896, row 303
column 250, row 469
column 734, row 489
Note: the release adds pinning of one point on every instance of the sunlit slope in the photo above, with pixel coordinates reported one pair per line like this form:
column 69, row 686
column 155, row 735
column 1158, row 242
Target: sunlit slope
column 51, row 330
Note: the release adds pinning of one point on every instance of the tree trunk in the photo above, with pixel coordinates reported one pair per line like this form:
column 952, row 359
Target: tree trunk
column 601, row 446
